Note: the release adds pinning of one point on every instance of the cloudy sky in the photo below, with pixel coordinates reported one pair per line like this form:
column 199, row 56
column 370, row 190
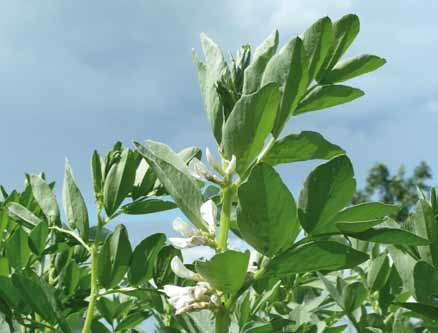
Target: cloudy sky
column 79, row 75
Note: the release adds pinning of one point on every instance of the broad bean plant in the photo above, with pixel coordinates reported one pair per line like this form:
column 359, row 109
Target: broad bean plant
column 315, row 264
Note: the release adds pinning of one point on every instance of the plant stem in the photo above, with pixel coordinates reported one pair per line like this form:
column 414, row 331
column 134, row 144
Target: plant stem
column 222, row 321
column 225, row 218
column 94, row 287
column 265, row 150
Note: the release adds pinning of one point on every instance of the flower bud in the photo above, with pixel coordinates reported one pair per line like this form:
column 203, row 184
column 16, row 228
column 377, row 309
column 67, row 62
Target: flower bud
column 231, row 168
column 183, row 228
column 208, row 212
column 182, row 271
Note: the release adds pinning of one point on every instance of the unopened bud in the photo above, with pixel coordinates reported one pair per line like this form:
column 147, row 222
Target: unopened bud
column 231, row 166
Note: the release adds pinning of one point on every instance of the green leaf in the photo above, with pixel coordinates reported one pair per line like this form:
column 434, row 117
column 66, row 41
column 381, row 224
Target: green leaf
column 366, row 211
column 301, row 146
column 254, row 72
column 114, row 258
column 353, row 67
column 226, row 271
column 326, row 96
column 9, row 293
column 288, row 69
column 20, row 213
column 425, row 310
column 345, row 31
column 317, row 43
column 144, row 180
column 275, row 325
column 163, row 273
column 147, row 206
column 38, row 238
column 32, row 291
column 267, row 214
column 357, row 226
column 119, row 182
column 249, row 124
column 379, row 272
column 132, row 321
column 174, row 174
column 208, row 75
column 390, row 236
column 98, row 327
column 327, row 189
column 74, row 204
column 46, row 199
column 17, row 249
column 315, row 256
column 96, row 170
column 353, row 295
column 404, row 265
column 144, row 258
column 426, row 283
column 189, row 153
column 70, row 277
column 426, row 227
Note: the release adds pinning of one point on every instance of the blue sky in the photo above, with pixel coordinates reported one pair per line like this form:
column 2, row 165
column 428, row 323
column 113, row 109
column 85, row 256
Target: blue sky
column 75, row 76
column 79, row 75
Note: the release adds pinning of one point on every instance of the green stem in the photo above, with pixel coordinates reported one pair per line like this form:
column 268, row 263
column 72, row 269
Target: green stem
column 222, row 321
column 94, row 286
column 224, row 225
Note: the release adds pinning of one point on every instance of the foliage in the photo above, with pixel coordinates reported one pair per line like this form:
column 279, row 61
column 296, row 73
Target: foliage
column 395, row 189
column 318, row 263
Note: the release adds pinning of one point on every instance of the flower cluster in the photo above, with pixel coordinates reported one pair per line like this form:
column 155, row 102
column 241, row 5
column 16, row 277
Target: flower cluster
column 188, row 299
column 193, row 237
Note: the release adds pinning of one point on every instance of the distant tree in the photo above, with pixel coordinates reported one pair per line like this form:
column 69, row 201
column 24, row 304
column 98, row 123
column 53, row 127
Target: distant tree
column 398, row 189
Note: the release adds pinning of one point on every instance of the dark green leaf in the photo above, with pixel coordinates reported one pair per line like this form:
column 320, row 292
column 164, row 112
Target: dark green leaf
column 345, row 31
column 426, row 283
column 267, row 214
column 249, row 124
column 74, row 204
column 254, row 72
column 32, row 291
column 353, row 295
column 144, row 258
column 390, row 236
column 328, row 189
column 357, row 226
column 366, row 211
column 208, row 75
column 353, row 67
column 70, row 277
column 315, row 256
column 21, row 213
column 96, row 170
column 17, row 249
column 175, row 176
column 226, row 271
column 163, row 273
column 428, row 311
column 426, row 227
column 46, row 199
column 379, row 272
column 288, row 69
column 147, row 206
column 317, row 43
column 144, row 180
column 326, row 96
column 132, row 321
column 114, row 258
column 119, row 182
column 38, row 238
column 302, row 146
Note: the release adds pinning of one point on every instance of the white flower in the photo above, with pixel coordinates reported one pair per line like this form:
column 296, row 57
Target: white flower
column 187, row 299
column 208, row 213
column 182, row 271
column 186, row 243
column 183, row 228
